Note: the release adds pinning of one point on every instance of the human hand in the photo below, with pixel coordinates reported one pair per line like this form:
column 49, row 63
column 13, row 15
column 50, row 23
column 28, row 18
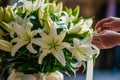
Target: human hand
column 111, row 23
column 106, row 39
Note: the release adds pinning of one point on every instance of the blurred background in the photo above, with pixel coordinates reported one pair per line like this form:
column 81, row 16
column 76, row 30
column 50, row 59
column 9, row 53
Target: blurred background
column 107, row 65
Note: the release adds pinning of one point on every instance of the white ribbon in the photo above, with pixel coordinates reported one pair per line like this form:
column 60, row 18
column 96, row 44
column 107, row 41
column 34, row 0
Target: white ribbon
column 89, row 75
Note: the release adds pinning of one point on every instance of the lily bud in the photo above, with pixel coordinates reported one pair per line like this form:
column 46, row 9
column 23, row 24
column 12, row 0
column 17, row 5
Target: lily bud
column 5, row 26
column 47, row 26
column 51, row 8
column 86, row 27
column 48, row 22
column 76, row 28
column 5, row 45
column 40, row 15
column 8, row 15
column 1, row 33
column 1, row 13
column 59, row 8
column 11, row 13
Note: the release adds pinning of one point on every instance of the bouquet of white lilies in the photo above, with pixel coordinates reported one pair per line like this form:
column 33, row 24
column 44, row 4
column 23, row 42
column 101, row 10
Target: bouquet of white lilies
column 38, row 38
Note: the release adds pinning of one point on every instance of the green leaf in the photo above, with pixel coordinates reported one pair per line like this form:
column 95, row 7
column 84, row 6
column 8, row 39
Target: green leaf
column 20, row 11
column 69, row 11
column 54, row 17
column 85, row 34
column 76, row 11
column 75, row 21
column 51, row 8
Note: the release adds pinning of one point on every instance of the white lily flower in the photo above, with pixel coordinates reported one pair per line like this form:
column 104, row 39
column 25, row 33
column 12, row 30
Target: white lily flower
column 51, row 43
column 66, row 18
column 29, row 6
column 83, row 50
column 24, row 37
column 76, row 28
column 19, row 21
column 81, row 27
column 86, row 27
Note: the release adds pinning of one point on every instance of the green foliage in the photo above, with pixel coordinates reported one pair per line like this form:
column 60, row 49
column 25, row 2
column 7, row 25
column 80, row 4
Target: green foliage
column 27, row 62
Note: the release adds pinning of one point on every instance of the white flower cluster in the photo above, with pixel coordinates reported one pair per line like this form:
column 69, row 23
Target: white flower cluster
column 23, row 32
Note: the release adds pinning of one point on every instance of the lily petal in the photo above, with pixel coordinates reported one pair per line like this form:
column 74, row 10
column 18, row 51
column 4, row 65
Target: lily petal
column 43, row 54
column 28, row 6
column 65, row 18
column 53, row 31
column 17, row 46
column 60, row 57
column 76, row 42
column 15, row 40
column 45, row 37
column 30, row 48
column 20, row 30
column 75, row 29
column 62, row 35
column 78, row 64
column 87, row 40
column 59, row 8
column 28, row 30
column 36, row 4
column 39, row 42
column 95, row 50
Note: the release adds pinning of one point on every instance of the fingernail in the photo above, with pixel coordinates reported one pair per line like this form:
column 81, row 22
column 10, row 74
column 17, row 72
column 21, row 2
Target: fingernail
column 99, row 28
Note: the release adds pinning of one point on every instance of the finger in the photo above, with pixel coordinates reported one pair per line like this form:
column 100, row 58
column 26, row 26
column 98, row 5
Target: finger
column 97, row 36
column 100, row 29
column 96, row 39
column 107, row 26
column 101, row 22
column 97, row 44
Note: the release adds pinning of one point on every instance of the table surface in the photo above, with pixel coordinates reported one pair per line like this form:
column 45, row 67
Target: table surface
column 98, row 75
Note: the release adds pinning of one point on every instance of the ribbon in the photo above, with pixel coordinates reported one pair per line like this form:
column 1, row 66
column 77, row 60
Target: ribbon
column 89, row 75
